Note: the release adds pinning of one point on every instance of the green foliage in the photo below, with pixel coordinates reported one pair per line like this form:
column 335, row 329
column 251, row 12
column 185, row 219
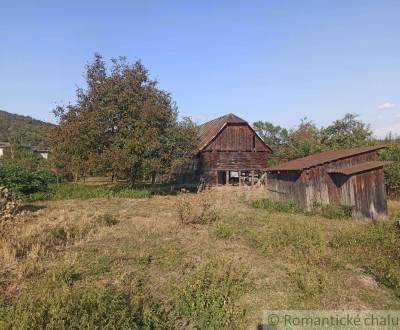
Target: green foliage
column 332, row 212
column 302, row 239
column 274, row 136
column 304, row 140
column 267, row 204
column 56, row 304
column 23, row 182
column 376, row 248
column 392, row 173
column 208, row 296
column 311, row 281
column 81, row 191
column 348, row 132
column 122, row 124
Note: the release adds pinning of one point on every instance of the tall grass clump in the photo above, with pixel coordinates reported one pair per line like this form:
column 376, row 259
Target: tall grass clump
column 195, row 209
column 208, row 296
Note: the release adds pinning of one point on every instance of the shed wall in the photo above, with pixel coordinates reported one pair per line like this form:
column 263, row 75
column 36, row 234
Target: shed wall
column 365, row 192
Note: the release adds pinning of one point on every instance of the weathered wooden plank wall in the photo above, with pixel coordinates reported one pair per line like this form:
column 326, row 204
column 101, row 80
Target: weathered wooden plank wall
column 233, row 161
column 365, row 192
column 237, row 138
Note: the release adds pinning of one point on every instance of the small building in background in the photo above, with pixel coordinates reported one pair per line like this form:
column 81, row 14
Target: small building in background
column 3, row 147
column 6, row 148
column 230, row 152
column 352, row 178
column 44, row 153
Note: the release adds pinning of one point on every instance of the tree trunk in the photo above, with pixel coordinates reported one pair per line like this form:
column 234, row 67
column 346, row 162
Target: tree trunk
column 153, row 178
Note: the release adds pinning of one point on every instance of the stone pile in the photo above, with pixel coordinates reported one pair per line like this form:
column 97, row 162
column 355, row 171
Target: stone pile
column 9, row 204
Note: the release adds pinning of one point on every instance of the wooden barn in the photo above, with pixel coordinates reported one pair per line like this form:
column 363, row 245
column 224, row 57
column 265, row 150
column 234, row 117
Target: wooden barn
column 230, row 152
column 351, row 177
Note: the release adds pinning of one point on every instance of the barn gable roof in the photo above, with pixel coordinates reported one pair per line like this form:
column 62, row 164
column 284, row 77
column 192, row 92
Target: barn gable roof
column 321, row 158
column 210, row 130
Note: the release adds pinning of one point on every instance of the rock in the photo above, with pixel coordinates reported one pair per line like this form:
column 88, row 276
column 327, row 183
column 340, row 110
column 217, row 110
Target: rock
column 9, row 204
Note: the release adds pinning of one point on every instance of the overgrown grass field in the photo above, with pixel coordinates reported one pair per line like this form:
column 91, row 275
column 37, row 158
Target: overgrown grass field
column 214, row 260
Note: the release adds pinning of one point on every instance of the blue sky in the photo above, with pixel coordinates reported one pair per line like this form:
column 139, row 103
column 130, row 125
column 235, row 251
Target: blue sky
column 277, row 61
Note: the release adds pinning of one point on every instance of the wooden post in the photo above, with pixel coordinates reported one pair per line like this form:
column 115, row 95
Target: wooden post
column 226, row 177
column 240, row 178
column 252, row 178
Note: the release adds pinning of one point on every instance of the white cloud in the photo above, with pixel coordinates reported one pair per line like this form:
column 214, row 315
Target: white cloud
column 386, row 105
column 383, row 129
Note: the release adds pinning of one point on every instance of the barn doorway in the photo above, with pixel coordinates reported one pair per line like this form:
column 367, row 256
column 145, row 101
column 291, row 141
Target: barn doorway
column 221, row 177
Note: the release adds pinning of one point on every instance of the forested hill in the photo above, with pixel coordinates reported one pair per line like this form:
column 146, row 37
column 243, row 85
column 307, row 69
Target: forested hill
column 23, row 128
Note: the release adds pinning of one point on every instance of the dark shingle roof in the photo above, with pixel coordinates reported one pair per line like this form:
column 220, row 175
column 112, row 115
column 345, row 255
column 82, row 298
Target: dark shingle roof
column 321, row 158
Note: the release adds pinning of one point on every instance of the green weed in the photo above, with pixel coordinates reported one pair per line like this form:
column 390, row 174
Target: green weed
column 222, row 231
column 208, row 296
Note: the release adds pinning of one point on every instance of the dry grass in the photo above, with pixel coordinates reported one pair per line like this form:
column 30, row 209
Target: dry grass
column 290, row 261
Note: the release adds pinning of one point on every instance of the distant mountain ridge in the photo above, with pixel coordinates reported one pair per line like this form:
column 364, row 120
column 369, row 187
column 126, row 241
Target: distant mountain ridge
column 24, row 128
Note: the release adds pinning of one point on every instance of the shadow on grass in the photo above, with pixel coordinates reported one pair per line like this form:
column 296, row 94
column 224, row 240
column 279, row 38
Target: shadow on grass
column 30, row 208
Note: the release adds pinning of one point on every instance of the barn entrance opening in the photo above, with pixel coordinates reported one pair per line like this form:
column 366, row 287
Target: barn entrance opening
column 222, row 177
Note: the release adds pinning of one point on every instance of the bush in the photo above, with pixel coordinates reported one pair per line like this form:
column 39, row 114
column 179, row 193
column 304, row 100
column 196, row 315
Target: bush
column 196, row 209
column 311, row 281
column 392, row 173
column 55, row 305
column 392, row 180
column 23, row 182
column 267, row 204
column 208, row 295
column 376, row 248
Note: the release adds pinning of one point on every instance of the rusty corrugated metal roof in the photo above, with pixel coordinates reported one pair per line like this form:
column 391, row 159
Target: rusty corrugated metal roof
column 321, row 158
column 360, row 167
column 210, row 130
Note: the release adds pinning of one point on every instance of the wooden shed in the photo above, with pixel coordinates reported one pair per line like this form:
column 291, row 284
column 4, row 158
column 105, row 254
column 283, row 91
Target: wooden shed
column 350, row 177
column 230, row 151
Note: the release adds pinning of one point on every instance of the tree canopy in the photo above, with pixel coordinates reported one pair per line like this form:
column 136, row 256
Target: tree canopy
column 121, row 123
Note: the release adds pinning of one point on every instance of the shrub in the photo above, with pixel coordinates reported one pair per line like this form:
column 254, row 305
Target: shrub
column 331, row 211
column 54, row 305
column 392, row 173
column 267, row 204
column 392, row 180
column 376, row 248
column 196, row 209
column 23, row 182
column 208, row 296
column 302, row 238
column 311, row 281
